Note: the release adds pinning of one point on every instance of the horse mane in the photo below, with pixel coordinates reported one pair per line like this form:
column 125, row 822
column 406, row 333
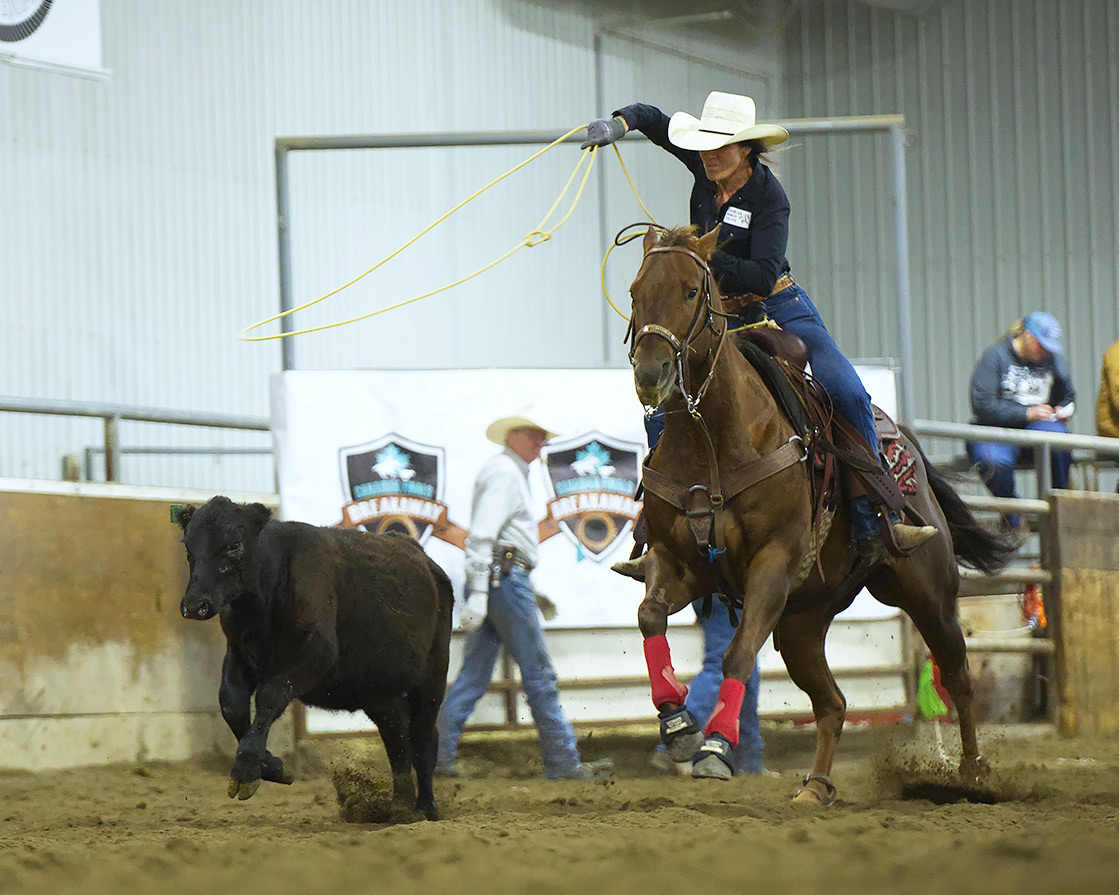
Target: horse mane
column 686, row 236
column 683, row 236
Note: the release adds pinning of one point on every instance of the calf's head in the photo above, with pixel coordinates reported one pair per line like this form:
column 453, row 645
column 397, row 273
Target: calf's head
column 219, row 537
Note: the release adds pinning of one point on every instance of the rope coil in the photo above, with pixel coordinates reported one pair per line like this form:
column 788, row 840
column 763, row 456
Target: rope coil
column 537, row 236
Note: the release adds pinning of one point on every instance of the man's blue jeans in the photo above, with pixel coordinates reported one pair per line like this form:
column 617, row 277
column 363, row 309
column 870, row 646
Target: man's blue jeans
column 703, row 692
column 512, row 620
column 996, row 462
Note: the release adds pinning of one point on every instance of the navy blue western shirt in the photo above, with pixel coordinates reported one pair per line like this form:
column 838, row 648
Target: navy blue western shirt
column 754, row 232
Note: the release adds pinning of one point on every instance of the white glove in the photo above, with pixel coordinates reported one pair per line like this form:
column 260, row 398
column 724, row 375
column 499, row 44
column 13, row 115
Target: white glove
column 473, row 611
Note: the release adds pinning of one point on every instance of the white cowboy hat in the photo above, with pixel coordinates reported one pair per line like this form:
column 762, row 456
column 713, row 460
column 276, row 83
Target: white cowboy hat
column 727, row 118
column 522, row 419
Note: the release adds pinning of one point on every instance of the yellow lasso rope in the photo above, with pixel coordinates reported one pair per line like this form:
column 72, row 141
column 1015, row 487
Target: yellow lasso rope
column 532, row 238
column 614, row 245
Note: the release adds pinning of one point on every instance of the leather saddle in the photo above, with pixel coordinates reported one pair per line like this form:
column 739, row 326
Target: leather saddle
column 844, row 462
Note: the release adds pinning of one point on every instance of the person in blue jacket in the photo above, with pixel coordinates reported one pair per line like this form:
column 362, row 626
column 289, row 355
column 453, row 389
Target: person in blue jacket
column 1021, row 382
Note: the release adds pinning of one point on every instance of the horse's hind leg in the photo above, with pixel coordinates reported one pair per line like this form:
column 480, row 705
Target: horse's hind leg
column 802, row 647
column 935, row 618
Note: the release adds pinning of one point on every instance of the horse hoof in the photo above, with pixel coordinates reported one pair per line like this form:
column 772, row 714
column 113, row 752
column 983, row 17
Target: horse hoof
column 975, row 769
column 242, row 789
column 711, row 768
column 683, row 746
column 808, row 797
column 818, row 791
column 681, row 734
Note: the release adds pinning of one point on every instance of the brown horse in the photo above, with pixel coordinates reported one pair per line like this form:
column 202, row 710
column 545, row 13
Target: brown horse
column 728, row 451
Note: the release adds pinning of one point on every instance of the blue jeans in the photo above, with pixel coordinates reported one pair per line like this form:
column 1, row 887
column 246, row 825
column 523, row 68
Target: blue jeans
column 793, row 310
column 513, row 621
column 703, row 692
column 996, row 462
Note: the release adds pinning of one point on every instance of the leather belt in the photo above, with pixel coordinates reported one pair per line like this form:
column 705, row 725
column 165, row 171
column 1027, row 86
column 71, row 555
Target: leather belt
column 734, row 302
column 507, row 556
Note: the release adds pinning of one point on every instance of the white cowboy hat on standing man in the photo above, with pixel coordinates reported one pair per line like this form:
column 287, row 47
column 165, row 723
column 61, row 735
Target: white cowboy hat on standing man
column 727, row 118
column 522, row 419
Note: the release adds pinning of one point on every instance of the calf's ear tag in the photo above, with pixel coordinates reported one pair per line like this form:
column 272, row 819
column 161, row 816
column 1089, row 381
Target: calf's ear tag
column 176, row 510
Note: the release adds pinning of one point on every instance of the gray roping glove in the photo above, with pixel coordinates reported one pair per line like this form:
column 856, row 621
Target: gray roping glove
column 603, row 132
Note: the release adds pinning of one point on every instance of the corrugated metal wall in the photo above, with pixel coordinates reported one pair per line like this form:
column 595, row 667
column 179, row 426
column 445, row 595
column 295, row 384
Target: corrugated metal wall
column 1013, row 179
column 137, row 226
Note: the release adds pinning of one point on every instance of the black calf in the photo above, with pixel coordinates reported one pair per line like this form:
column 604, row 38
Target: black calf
column 338, row 619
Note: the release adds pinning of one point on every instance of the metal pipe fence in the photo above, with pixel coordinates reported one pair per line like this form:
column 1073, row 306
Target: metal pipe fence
column 113, row 414
column 1012, row 579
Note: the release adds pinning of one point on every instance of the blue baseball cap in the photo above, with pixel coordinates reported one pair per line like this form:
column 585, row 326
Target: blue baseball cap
column 1045, row 328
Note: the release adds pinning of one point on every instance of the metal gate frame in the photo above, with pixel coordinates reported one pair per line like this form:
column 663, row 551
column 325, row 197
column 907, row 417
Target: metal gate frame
column 892, row 125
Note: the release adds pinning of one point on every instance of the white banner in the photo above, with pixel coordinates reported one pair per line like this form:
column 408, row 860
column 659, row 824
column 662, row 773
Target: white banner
column 400, row 449
column 63, row 35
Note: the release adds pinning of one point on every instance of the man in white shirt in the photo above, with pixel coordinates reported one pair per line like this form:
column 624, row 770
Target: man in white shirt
column 501, row 550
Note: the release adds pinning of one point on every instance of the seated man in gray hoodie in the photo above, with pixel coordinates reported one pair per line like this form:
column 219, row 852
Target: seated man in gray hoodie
column 1021, row 382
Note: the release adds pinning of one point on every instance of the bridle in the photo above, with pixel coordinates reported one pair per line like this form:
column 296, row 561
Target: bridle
column 680, row 348
column 703, row 504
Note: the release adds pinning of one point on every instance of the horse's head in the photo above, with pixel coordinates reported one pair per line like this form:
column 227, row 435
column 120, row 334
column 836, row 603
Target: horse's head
column 674, row 296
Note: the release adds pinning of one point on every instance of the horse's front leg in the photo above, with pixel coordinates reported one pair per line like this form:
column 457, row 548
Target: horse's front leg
column 668, row 589
column 768, row 580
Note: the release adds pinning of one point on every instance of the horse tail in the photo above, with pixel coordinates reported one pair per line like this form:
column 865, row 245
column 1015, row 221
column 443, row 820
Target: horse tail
column 973, row 544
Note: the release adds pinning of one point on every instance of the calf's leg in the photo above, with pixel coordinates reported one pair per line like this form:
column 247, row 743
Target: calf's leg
column 234, row 697
column 423, row 705
column 391, row 719
column 317, row 654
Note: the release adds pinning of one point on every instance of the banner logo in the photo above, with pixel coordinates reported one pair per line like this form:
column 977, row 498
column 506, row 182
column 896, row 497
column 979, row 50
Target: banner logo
column 394, row 484
column 591, row 480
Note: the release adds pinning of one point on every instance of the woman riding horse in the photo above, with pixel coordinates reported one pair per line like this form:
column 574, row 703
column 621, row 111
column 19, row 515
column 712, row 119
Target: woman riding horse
column 731, row 508
column 735, row 192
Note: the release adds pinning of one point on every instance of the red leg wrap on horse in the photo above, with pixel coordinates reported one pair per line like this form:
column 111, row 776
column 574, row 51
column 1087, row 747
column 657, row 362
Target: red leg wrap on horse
column 661, row 674
column 724, row 719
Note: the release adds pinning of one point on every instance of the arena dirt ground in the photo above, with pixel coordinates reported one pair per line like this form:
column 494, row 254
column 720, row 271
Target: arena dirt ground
column 1050, row 822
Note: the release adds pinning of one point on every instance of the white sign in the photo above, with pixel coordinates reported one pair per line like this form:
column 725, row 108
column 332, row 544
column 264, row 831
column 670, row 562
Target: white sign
column 62, row 35
column 400, row 449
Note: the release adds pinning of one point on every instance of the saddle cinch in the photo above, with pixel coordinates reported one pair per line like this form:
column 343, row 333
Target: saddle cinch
column 844, row 464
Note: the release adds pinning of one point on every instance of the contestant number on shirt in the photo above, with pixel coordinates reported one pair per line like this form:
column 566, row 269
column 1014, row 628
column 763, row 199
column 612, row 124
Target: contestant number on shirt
column 737, row 217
